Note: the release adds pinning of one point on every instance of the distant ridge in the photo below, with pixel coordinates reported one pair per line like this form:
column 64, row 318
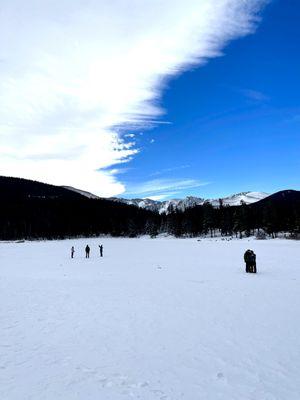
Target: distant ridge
column 20, row 188
column 82, row 192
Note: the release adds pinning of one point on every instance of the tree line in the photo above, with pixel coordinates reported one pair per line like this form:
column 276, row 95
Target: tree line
column 54, row 218
column 260, row 219
column 32, row 210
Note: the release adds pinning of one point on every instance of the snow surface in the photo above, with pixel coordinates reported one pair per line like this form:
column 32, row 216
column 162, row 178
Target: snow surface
column 164, row 319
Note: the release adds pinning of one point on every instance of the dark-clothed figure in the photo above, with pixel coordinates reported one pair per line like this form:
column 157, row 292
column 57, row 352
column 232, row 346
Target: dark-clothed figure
column 247, row 259
column 87, row 251
column 253, row 263
column 250, row 260
column 72, row 252
column 101, row 250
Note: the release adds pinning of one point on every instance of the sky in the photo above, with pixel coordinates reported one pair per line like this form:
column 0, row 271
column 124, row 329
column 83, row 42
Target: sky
column 149, row 98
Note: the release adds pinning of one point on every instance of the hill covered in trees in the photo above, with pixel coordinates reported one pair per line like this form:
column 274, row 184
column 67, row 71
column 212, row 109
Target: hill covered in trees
column 34, row 210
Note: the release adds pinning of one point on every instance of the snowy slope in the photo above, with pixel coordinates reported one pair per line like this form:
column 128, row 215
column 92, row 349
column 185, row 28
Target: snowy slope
column 162, row 206
column 237, row 199
column 148, row 204
column 162, row 319
column 190, row 201
column 83, row 192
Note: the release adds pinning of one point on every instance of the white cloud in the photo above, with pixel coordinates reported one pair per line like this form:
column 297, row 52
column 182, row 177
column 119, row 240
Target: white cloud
column 72, row 70
column 157, row 198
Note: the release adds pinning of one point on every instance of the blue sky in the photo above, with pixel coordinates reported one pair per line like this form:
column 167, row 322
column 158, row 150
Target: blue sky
column 161, row 99
column 233, row 124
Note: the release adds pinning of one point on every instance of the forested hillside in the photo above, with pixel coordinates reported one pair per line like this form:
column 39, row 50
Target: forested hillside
column 34, row 210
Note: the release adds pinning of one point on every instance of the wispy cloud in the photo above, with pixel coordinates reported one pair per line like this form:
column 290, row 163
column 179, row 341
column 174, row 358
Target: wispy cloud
column 72, row 70
column 162, row 188
column 168, row 170
column 255, row 95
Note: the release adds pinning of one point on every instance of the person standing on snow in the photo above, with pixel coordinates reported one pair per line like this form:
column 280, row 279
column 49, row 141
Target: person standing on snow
column 101, row 250
column 250, row 260
column 87, row 251
column 247, row 259
column 253, row 262
column 72, row 252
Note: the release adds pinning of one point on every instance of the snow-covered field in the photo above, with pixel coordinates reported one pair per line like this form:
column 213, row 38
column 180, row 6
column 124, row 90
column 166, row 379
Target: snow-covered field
column 162, row 319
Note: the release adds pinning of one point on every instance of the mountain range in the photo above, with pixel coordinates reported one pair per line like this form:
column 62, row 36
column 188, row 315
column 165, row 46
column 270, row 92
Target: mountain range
column 168, row 206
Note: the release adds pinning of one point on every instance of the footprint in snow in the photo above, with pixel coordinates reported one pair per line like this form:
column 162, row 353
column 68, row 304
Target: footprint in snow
column 220, row 375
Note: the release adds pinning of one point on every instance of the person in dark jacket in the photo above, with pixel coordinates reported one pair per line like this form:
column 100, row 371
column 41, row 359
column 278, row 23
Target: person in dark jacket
column 72, row 252
column 87, row 251
column 101, row 250
column 250, row 260
column 253, row 262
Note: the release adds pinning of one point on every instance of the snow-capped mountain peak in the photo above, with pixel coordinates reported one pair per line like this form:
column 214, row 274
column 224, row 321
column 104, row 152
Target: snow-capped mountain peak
column 239, row 198
column 168, row 206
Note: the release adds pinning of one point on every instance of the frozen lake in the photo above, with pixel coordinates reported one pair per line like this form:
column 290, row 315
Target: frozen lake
column 162, row 319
